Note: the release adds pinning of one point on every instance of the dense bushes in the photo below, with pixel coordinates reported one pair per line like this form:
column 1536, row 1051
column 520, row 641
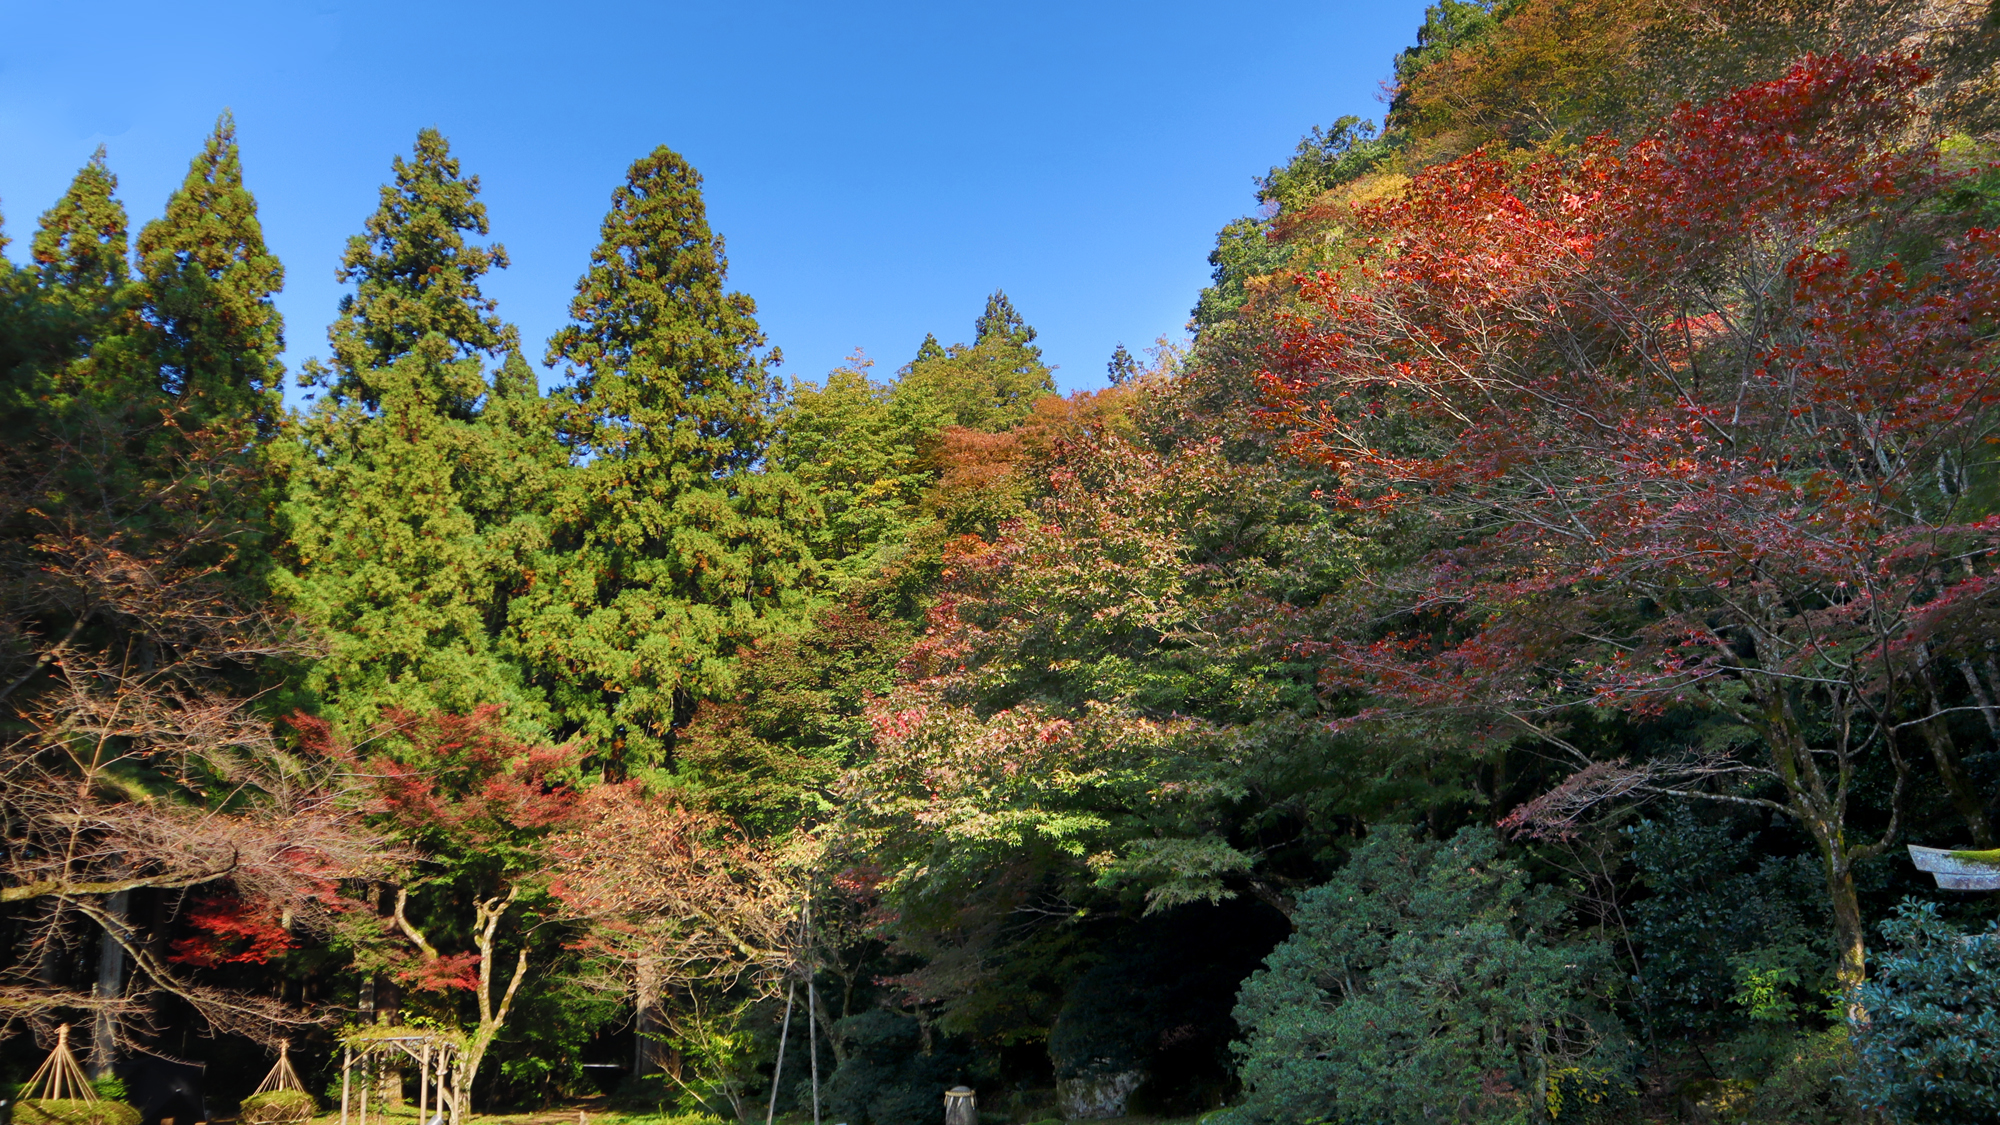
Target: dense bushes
column 891, row 1075
column 1425, row 981
column 1930, row 1051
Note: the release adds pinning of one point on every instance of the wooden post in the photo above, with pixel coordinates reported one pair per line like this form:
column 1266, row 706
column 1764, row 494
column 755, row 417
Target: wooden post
column 779, row 1070
column 346, row 1073
column 812, row 1033
column 423, row 1085
column 367, row 1072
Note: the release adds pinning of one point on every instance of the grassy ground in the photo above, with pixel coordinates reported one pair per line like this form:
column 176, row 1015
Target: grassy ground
column 597, row 1111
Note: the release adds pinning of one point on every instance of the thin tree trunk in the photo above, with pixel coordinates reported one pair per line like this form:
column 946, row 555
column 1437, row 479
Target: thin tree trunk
column 110, row 985
column 1944, row 752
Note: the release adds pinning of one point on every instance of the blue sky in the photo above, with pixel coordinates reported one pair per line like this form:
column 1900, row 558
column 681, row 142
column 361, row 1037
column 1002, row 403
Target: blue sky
column 877, row 168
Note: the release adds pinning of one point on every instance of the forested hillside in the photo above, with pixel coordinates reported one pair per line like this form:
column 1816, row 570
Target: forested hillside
column 1491, row 673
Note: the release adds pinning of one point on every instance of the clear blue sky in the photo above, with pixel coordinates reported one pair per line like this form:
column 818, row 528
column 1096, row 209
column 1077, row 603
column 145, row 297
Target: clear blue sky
column 877, row 168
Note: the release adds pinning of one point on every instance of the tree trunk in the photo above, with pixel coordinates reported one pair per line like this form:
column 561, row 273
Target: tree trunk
column 492, row 1016
column 646, row 1018
column 1850, row 963
column 1944, row 752
column 110, row 985
column 1970, row 808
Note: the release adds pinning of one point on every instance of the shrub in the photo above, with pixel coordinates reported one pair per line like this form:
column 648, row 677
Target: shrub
column 73, row 1111
column 888, row 1079
column 1423, row 983
column 1931, row 1049
column 279, row 1107
column 1810, row 1085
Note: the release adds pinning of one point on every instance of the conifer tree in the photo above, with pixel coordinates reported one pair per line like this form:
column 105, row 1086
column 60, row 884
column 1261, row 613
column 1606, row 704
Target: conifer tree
column 83, row 241
column 134, row 510
column 989, row 385
column 209, row 283
column 402, row 512
column 1001, row 322
column 671, row 546
column 929, row 349
column 64, row 413
column 1122, row 368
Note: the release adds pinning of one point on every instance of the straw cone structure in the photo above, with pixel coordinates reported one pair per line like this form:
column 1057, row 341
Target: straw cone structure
column 281, row 1099
column 59, row 1078
column 282, row 1076
column 60, row 1094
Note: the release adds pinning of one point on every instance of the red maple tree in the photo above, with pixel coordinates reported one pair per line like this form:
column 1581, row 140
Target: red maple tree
column 1698, row 423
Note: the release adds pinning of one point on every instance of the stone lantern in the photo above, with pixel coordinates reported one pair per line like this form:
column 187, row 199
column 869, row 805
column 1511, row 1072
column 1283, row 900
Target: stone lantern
column 961, row 1106
column 1959, row 869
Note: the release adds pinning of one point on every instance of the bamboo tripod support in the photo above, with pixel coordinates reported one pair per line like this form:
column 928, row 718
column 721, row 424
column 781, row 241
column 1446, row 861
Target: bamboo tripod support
column 59, row 1077
column 282, row 1076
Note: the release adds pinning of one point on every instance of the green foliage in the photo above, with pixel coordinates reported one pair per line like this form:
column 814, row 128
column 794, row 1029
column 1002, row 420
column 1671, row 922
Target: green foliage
column 1326, row 158
column 1121, row 368
column 891, row 1075
column 1725, row 932
column 1811, row 1082
column 1424, row 980
column 671, row 546
column 770, row 757
column 278, row 1107
column 408, row 512
column 80, row 248
column 863, row 450
column 416, row 292
column 1047, row 678
column 989, row 385
column 1930, row 1049
column 999, row 321
column 209, row 283
column 1448, row 25
column 73, row 1111
column 1244, row 251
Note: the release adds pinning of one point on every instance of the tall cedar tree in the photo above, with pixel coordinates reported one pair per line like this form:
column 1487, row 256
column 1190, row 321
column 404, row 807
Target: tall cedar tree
column 671, row 548
column 407, row 514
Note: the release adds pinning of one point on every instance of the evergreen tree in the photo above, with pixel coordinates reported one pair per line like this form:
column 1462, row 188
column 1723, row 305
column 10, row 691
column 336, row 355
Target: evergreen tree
column 416, row 292
column 989, row 385
column 671, row 548
column 1122, row 368
column 406, row 512
column 63, row 422
column 83, row 241
column 928, row 350
column 209, row 283
column 1000, row 321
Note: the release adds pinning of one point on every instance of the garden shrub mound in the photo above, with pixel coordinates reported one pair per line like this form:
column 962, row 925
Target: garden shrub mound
column 279, row 1107
column 73, row 1111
